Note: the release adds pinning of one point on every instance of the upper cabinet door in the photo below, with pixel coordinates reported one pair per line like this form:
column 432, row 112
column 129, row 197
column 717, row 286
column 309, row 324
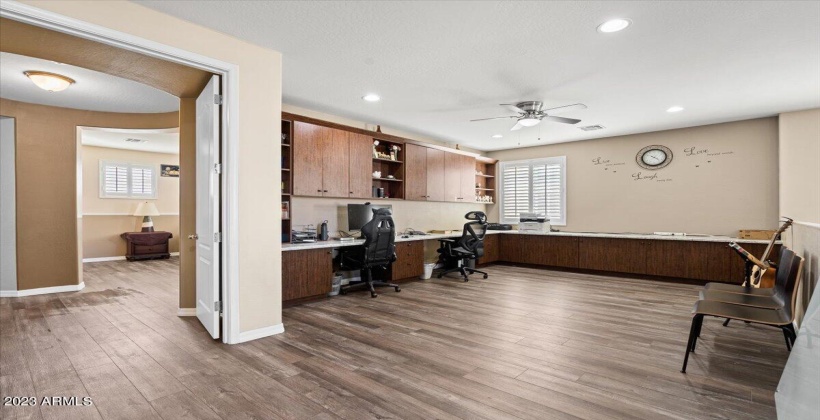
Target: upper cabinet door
column 452, row 177
column 435, row 174
column 307, row 158
column 415, row 172
column 467, row 179
column 335, row 163
column 361, row 162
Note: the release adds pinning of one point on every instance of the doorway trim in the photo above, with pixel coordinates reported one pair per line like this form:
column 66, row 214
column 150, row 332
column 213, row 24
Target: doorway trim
column 229, row 130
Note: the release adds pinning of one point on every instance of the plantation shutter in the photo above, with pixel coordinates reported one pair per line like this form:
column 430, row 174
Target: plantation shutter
column 535, row 186
column 142, row 181
column 115, row 179
column 515, row 190
column 127, row 180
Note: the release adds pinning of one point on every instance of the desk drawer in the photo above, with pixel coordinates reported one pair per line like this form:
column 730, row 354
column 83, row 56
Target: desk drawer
column 409, row 260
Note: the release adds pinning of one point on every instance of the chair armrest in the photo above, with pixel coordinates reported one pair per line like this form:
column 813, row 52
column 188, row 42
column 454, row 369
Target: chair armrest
column 447, row 240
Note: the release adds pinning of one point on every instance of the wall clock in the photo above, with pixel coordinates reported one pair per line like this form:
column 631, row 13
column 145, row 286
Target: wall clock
column 654, row 157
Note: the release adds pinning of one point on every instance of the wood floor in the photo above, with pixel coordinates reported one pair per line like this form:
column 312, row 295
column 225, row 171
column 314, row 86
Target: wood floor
column 525, row 343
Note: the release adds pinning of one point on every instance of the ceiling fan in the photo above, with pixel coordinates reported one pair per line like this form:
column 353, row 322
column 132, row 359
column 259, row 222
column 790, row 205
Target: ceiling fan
column 531, row 113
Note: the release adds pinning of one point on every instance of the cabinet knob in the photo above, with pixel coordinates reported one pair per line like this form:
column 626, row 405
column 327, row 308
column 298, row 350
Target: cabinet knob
column 324, row 190
column 318, row 190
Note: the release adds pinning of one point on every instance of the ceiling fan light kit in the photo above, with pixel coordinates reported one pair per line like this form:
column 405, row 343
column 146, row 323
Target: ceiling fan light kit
column 531, row 113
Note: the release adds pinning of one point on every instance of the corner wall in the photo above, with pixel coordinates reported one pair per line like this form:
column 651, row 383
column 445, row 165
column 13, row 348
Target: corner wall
column 8, row 228
column 47, row 223
column 800, row 193
column 726, row 183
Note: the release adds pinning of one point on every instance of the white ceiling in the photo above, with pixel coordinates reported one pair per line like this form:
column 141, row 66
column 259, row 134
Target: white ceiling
column 92, row 91
column 439, row 64
column 164, row 140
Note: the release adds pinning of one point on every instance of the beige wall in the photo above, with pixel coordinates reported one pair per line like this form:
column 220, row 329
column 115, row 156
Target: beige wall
column 800, row 193
column 800, row 165
column 260, row 97
column 106, row 218
column 47, row 203
column 737, row 190
column 187, row 204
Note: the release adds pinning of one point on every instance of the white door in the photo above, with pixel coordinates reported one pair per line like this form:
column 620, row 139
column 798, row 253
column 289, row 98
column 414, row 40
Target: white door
column 207, row 207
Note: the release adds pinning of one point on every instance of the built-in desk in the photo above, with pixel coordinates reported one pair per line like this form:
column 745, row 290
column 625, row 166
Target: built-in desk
column 308, row 267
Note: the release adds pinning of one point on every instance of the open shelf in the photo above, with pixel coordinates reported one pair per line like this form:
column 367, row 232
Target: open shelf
column 485, row 175
column 387, row 160
column 388, row 179
column 485, row 189
column 285, row 164
column 485, row 179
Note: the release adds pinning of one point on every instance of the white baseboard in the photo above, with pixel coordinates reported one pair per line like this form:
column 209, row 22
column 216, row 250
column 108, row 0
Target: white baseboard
column 186, row 312
column 261, row 333
column 119, row 258
column 42, row 290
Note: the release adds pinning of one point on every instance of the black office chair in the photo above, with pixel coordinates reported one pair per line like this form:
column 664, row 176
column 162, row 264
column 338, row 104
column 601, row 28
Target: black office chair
column 469, row 247
column 378, row 250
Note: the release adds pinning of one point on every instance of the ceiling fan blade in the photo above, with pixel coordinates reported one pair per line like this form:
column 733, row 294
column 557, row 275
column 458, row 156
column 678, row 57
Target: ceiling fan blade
column 513, row 107
column 565, row 108
column 495, row 118
column 517, row 126
column 562, row 119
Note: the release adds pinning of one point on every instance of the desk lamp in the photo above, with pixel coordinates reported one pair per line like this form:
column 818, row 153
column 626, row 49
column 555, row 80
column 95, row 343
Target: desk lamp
column 146, row 210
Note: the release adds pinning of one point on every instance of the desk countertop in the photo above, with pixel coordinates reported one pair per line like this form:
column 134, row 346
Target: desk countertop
column 399, row 238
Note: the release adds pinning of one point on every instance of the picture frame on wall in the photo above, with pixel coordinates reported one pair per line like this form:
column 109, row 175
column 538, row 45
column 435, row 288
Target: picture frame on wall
column 169, row 170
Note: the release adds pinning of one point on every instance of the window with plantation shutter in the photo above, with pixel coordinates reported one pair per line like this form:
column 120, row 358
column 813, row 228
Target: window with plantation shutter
column 127, row 180
column 534, row 186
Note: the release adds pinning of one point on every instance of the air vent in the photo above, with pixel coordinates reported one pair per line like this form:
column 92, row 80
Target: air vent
column 130, row 140
column 592, row 127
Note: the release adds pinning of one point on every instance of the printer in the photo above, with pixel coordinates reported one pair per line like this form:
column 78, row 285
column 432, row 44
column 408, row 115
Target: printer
column 533, row 223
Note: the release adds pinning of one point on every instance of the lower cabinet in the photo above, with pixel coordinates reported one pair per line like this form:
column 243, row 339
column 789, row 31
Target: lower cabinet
column 492, row 249
column 306, row 273
column 610, row 254
column 409, row 260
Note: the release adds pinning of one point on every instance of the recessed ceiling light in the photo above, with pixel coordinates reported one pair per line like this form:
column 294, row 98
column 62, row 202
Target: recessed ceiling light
column 497, row 136
column 49, row 81
column 371, row 97
column 675, row 109
column 614, row 25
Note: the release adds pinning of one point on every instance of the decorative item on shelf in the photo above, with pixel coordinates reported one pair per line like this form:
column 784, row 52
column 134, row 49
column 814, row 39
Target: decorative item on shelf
column 390, row 177
column 169, row 170
column 394, row 152
column 375, row 152
column 285, row 138
column 323, row 231
column 486, row 199
column 477, row 185
column 286, row 210
column 378, row 129
column 377, row 174
column 479, row 173
column 146, row 210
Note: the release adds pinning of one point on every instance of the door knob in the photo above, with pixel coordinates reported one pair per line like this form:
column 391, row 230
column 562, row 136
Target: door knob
column 194, row 236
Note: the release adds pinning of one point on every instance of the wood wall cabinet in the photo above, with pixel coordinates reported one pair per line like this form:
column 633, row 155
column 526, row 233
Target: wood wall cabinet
column 306, row 273
column 409, row 260
column 459, row 178
column 360, row 158
column 329, row 162
column 424, row 177
column 415, row 173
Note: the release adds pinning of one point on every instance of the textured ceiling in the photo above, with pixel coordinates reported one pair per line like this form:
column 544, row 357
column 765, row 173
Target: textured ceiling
column 156, row 141
column 93, row 90
column 439, row 64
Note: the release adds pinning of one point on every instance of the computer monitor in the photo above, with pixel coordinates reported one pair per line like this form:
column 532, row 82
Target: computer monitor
column 359, row 214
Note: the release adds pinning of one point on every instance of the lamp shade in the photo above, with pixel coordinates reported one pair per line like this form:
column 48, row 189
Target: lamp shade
column 146, row 208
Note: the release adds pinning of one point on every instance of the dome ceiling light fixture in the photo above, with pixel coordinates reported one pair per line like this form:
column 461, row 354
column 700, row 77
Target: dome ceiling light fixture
column 51, row 82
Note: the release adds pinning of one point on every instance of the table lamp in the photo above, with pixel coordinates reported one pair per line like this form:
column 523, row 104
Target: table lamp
column 146, row 210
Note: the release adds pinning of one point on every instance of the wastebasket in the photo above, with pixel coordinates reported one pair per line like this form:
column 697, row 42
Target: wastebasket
column 336, row 285
column 428, row 271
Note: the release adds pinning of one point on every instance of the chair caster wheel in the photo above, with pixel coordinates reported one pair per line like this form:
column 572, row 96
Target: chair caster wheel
column 485, row 276
column 438, row 276
column 398, row 289
column 373, row 295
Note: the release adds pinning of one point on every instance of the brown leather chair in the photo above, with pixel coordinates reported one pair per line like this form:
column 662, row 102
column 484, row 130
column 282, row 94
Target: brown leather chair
column 782, row 317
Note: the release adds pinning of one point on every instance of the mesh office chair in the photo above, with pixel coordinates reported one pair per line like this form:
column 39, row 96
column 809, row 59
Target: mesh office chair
column 378, row 250
column 469, row 247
